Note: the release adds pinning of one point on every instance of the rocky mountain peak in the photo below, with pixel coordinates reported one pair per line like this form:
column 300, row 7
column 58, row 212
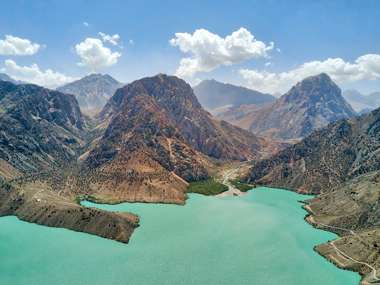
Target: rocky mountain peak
column 170, row 91
column 311, row 104
column 315, row 88
column 195, row 125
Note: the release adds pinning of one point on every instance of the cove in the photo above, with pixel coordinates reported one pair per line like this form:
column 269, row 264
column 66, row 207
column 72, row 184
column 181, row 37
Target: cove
column 260, row 238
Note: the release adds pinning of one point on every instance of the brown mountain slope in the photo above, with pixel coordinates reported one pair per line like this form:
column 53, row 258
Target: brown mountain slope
column 40, row 128
column 142, row 156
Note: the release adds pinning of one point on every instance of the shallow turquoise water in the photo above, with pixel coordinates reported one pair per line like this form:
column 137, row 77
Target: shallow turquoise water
column 259, row 239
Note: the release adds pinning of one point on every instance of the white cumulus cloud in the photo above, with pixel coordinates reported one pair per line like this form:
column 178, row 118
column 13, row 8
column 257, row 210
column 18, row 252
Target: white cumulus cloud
column 12, row 45
column 366, row 67
column 33, row 74
column 94, row 55
column 112, row 39
column 208, row 51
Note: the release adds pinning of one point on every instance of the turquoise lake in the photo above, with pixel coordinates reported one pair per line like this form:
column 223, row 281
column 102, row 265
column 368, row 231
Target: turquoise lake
column 260, row 238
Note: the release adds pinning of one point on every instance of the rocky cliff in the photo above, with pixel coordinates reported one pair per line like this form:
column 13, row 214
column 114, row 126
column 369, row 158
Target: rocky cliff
column 40, row 128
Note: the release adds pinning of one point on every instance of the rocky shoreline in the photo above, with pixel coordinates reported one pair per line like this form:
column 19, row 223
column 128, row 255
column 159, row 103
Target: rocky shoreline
column 45, row 207
column 343, row 252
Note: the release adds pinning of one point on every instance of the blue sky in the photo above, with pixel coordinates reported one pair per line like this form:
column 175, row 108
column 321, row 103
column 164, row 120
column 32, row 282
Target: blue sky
column 302, row 32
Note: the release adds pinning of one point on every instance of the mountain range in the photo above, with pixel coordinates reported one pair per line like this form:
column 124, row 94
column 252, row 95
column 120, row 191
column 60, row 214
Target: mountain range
column 150, row 140
column 311, row 104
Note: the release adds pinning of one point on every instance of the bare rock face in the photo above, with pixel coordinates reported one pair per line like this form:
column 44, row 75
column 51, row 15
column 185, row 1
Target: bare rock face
column 310, row 105
column 40, row 128
column 92, row 91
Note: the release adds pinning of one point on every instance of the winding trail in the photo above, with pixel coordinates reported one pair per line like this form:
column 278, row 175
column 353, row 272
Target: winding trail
column 376, row 280
column 232, row 190
column 227, row 176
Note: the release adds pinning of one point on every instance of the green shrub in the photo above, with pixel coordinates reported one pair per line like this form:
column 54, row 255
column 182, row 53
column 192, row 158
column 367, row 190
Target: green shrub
column 207, row 187
column 243, row 187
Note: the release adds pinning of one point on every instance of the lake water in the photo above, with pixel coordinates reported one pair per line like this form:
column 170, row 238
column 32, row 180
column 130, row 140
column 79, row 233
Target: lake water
column 260, row 239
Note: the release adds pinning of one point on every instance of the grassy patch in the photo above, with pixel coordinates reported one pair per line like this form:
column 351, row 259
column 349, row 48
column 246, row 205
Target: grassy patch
column 243, row 187
column 207, row 187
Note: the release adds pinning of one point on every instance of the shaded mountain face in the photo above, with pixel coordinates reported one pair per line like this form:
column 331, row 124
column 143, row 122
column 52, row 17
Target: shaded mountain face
column 327, row 158
column 311, row 104
column 199, row 129
column 213, row 94
column 40, row 128
column 92, row 91
column 362, row 103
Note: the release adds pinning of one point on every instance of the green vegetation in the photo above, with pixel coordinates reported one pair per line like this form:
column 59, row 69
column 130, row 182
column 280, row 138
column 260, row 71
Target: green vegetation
column 243, row 187
column 207, row 187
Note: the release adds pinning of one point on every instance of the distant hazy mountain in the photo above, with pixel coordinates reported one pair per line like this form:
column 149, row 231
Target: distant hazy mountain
column 6, row 77
column 92, row 91
column 213, row 94
column 359, row 101
column 309, row 105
